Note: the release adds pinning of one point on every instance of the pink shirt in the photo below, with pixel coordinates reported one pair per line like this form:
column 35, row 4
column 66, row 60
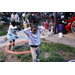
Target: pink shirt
column 46, row 25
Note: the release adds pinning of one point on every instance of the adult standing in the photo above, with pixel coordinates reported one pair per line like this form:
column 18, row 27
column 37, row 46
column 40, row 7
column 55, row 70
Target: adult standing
column 42, row 17
column 15, row 18
column 35, row 18
column 47, row 17
column 30, row 18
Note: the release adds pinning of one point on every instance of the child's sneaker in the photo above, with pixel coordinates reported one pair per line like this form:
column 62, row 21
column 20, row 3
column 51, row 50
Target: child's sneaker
column 37, row 60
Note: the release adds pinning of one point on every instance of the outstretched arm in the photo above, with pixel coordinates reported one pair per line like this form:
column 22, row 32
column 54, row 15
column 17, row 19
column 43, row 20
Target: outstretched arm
column 15, row 27
column 41, row 29
column 27, row 30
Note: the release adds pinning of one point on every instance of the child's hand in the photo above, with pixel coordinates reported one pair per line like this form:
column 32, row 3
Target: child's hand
column 15, row 29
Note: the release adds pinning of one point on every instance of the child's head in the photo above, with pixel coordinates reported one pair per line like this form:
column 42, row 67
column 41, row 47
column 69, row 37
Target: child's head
column 13, row 23
column 34, row 29
column 24, row 18
column 30, row 14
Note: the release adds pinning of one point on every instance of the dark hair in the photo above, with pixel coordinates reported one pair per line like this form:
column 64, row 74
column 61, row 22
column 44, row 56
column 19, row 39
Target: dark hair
column 33, row 26
column 24, row 18
column 13, row 23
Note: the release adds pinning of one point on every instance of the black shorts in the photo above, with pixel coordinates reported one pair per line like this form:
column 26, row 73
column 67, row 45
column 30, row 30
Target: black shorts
column 33, row 45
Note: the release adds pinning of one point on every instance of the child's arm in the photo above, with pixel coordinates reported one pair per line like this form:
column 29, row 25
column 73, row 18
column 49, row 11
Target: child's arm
column 13, row 27
column 41, row 28
column 26, row 31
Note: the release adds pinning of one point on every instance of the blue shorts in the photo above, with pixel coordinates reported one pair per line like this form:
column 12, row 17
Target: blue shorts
column 10, row 37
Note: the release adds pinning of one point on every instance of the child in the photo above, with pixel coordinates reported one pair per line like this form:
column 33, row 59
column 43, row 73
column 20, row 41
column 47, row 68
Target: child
column 47, row 27
column 10, row 34
column 25, row 24
column 33, row 33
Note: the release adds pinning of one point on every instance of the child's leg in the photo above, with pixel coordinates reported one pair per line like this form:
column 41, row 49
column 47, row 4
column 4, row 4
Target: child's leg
column 33, row 54
column 43, row 32
column 24, row 26
column 10, row 45
column 13, row 41
column 38, row 52
column 48, row 32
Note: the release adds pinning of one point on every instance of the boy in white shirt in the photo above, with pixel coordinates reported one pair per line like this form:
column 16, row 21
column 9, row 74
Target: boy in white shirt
column 33, row 33
column 10, row 34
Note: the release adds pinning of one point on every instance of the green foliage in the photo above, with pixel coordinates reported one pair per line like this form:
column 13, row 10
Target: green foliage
column 3, row 56
column 3, row 30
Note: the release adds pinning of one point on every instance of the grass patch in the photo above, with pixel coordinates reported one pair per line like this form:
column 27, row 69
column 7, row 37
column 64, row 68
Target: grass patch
column 3, row 56
column 3, row 30
column 51, row 52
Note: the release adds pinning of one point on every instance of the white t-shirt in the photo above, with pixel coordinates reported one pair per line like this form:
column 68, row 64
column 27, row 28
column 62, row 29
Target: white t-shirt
column 34, row 39
column 15, row 17
column 11, row 29
column 24, row 22
column 23, row 15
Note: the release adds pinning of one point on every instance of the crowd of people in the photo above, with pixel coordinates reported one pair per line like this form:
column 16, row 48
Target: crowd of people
column 46, row 19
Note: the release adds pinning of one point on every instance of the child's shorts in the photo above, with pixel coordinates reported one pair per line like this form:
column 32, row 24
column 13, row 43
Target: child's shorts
column 10, row 37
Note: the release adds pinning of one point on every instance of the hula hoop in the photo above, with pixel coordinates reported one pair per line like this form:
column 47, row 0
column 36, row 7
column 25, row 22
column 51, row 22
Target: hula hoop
column 19, row 52
column 72, row 28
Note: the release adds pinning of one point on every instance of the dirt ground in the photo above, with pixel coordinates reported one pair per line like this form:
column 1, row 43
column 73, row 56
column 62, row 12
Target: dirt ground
column 8, row 55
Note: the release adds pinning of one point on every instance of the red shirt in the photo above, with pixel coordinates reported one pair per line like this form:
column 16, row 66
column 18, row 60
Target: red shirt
column 46, row 25
column 72, row 20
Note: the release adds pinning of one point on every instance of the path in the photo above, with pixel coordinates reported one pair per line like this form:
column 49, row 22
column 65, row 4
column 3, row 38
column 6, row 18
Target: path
column 68, row 39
